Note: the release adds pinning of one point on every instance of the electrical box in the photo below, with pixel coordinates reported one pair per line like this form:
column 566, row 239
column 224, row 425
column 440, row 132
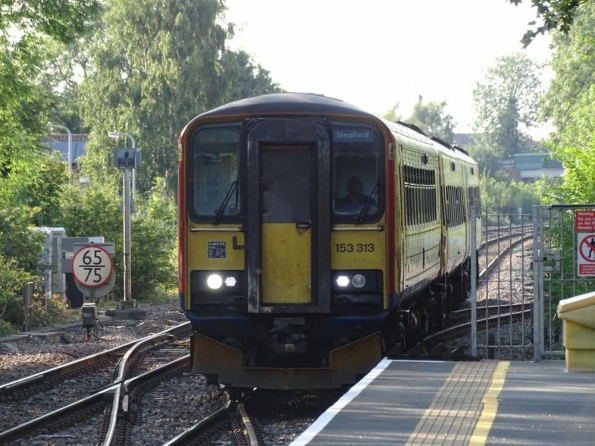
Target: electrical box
column 53, row 281
column 89, row 314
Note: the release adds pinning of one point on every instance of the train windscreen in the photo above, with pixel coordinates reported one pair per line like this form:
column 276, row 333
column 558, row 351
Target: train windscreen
column 215, row 190
column 357, row 172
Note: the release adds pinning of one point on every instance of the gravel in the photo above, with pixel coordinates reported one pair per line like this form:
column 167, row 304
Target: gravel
column 34, row 354
column 173, row 406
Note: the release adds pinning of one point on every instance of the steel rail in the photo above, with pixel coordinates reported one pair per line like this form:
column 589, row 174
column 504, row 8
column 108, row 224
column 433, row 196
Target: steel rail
column 72, row 366
column 75, row 408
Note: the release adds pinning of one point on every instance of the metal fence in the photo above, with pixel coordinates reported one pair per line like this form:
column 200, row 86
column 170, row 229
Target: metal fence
column 532, row 260
column 503, row 287
column 563, row 267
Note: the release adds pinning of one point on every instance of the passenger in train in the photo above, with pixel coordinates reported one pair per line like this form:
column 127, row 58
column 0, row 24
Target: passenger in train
column 355, row 200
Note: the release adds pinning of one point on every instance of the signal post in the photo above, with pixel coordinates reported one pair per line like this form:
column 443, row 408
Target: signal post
column 127, row 160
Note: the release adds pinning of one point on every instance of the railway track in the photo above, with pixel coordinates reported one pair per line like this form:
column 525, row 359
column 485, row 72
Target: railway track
column 109, row 415
column 108, row 401
column 494, row 317
column 502, row 306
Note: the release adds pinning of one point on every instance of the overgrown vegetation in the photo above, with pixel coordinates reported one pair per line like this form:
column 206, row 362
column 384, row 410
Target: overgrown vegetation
column 88, row 65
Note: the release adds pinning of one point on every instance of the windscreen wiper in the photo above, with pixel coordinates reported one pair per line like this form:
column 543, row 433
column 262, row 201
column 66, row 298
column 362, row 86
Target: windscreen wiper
column 233, row 187
column 361, row 214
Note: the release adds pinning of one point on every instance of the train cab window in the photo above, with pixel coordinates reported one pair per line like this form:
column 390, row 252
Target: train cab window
column 214, row 174
column 356, row 173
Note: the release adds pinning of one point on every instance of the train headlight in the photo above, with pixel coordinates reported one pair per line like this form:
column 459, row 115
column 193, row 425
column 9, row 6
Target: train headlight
column 214, row 281
column 358, row 281
column 342, row 281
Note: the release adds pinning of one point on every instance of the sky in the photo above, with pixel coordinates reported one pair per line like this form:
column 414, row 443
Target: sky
column 377, row 53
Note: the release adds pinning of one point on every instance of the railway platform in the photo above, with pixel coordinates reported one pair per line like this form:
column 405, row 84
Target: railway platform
column 487, row 402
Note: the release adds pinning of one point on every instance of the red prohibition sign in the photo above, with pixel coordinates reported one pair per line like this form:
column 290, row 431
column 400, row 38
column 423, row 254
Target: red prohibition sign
column 589, row 242
column 92, row 266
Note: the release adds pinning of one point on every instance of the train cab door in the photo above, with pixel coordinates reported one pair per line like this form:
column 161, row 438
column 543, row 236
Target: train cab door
column 288, row 224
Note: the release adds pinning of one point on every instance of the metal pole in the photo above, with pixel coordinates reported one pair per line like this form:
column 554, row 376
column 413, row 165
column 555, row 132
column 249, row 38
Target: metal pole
column 473, row 283
column 69, row 146
column 537, row 283
column 127, row 237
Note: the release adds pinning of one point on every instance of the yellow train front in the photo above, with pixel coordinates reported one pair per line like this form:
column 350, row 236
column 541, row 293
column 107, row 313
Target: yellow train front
column 293, row 248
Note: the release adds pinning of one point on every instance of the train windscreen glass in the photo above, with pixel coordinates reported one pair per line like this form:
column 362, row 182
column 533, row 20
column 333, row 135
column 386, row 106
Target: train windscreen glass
column 357, row 172
column 215, row 170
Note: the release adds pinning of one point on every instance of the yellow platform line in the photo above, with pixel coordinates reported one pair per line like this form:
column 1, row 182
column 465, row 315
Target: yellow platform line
column 490, row 406
column 466, row 400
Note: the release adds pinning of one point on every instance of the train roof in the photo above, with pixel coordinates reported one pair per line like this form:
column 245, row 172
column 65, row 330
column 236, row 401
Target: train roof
column 287, row 103
column 312, row 104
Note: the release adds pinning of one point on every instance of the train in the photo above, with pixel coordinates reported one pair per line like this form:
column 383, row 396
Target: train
column 315, row 238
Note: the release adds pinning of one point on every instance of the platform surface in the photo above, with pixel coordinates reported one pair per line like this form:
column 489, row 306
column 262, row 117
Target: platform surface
column 486, row 402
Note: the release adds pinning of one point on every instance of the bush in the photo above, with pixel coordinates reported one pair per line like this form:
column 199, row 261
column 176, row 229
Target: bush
column 57, row 312
column 95, row 211
column 12, row 279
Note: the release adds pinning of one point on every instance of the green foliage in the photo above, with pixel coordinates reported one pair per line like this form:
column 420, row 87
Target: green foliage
column 60, row 20
column 573, row 61
column 12, row 279
column 577, row 152
column 507, row 197
column 506, row 106
column 55, row 312
column 154, row 257
column 555, row 14
column 95, row 211
column 393, row 114
column 28, row 197
column 154, row 66
column 246, row 79
column 431, row 119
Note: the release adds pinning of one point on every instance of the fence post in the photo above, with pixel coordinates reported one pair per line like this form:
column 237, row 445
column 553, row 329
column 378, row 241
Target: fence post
column 537, row 283
column 27, row 304
column 473, row 283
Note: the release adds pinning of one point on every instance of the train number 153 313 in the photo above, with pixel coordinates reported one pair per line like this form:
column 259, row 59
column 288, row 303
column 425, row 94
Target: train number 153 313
column 358, row 247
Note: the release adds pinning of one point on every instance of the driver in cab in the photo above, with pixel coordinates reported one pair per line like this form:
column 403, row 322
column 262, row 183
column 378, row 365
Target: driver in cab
column 355, row 200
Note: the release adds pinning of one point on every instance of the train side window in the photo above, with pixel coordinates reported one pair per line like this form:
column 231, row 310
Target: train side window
column 214, row 173
column 420, row 195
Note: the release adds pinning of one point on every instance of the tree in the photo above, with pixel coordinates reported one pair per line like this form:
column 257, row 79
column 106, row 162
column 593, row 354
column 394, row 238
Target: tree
column 573, row 62
column 393, row 114
column 60, row 20
column 431, row 119
column 506, row 107
column 31, row 178
column 577, row 152
column 556, row 15
column 247, row 79
column 155, row 65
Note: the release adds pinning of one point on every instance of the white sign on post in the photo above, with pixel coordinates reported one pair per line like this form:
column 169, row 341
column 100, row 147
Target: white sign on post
column 92, row 266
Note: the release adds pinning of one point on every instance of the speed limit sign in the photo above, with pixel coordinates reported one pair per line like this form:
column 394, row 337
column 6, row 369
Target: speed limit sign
column 92, row 266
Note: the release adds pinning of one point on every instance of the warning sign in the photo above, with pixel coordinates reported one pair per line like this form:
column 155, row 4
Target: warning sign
column 584, row 221
column 586, row 254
